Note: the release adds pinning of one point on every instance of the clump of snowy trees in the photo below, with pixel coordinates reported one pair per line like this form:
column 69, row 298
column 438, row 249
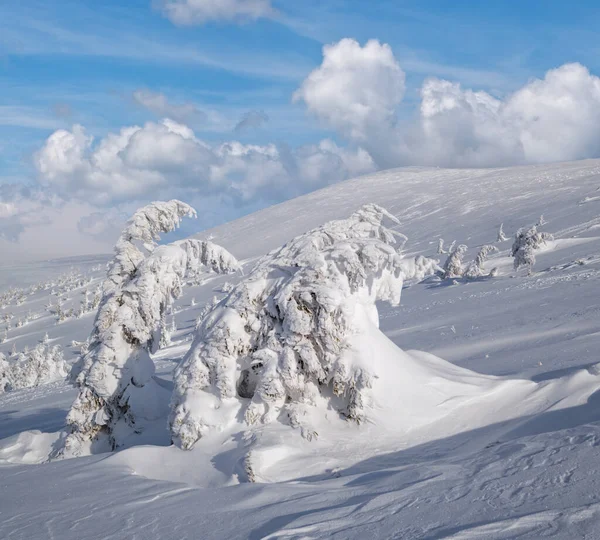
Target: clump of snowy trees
column 456, row 268
column 525, row 244
column 117, row 393
column 274, row 346
column 41, row 365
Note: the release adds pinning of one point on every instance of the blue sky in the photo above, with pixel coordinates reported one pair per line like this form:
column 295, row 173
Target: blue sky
column 82, row 62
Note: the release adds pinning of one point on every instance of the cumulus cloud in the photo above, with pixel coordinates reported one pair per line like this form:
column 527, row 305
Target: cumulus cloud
column 552, row 119
column 357, row 89
column 190, row 12
column 168, row 158
column 158, row 104
column 251, row 120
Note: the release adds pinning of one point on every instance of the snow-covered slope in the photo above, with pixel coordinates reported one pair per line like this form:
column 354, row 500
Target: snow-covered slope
column 496, row 436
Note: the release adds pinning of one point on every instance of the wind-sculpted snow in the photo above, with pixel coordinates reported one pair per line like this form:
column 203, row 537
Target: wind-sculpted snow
column 118, row 396
column 498, row 440
column 275, row 344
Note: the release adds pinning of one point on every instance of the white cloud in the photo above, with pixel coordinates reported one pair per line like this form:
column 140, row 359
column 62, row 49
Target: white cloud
column 189, row 12
column 553, row 119
column 461, row 128
column 559, row 116
column 167, row 158
column 159, row 105
column 356, row 89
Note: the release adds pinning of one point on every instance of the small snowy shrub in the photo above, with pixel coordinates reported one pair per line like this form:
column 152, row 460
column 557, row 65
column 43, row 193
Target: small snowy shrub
column 440, row 247
column 275, row 344
column 117, row 393
column 453, row 268
column 525, row 244
column 476, row 269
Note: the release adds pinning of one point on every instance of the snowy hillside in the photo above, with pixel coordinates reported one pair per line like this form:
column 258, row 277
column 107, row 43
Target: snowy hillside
column 481, row 407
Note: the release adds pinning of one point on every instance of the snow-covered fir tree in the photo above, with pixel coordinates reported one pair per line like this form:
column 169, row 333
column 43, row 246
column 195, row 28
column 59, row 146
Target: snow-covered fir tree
column 475, row 268
column 275, row 344
column 118, row 396
column 525, row 244
column 453, row 268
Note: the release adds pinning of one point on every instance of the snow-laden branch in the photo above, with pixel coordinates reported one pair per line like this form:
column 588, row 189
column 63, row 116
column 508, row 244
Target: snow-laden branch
column 276, row 343
column 140, row 236
column 117, row 393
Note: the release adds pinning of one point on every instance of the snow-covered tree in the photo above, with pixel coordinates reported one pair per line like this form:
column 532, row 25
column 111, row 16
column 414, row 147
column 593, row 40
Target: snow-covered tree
column 275, row 344
column 165, row 332
column 525, row 244
column 541, row 221
column 440, row 247
column 475, row 268
column 501, row 236
column 453, row 268
column 117, row 393
column 4, row 374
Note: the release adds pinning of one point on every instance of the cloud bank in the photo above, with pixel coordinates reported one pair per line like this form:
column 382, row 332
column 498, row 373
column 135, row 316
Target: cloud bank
column 356, row 91
column 166, row 157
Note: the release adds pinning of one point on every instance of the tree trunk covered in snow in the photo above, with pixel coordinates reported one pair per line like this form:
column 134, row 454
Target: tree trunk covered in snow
column 275, row 344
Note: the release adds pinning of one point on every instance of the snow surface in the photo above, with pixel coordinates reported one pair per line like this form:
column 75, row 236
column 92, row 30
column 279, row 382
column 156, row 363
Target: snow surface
column 493, row 432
